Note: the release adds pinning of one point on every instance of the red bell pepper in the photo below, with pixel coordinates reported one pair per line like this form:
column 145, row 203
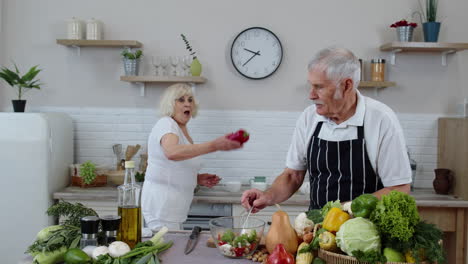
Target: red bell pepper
column 240, row 135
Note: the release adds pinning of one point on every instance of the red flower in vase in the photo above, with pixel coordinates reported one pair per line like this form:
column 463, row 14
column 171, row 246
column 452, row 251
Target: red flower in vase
column 403, row 23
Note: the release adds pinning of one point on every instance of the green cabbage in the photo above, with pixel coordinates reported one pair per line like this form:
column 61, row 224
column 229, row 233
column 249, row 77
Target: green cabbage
column 358, row 234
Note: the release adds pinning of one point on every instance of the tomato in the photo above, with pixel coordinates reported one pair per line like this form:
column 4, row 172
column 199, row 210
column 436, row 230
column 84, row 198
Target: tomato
column 239, row 251
column 76, row 256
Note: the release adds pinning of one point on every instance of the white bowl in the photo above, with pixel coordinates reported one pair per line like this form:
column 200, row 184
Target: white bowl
column 232, row 186
column 262, row 186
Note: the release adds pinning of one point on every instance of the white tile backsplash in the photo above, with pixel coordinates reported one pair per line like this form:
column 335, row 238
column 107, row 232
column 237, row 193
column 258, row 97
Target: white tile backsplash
column 97, row 129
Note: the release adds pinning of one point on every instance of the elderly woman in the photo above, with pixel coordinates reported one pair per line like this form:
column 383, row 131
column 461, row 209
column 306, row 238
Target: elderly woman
column 174, row 161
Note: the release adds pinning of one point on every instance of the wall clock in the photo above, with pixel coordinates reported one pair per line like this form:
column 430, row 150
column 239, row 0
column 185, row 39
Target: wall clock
column 256, row 53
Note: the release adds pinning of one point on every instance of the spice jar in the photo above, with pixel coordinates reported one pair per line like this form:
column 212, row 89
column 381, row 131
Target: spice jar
column 378, row 70
column 362, row 69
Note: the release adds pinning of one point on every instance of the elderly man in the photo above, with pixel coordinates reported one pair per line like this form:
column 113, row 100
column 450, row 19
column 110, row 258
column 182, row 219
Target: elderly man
column 350, row 144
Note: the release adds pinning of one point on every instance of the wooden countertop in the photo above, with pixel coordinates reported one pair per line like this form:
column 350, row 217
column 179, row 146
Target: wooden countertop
column 424, row 197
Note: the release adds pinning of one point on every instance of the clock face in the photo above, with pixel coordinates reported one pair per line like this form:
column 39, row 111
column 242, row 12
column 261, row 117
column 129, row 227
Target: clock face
column 256, row 53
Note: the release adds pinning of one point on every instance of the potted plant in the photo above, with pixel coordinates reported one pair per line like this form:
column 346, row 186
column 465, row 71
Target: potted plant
column 88, row 176
column 195, row 67
column 22, row 83
column 404, row 29
column 431, row 27
column 131, row 60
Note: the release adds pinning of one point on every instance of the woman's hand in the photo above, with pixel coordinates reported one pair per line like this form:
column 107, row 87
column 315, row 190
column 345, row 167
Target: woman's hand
column 223, row 143
column 208, row 180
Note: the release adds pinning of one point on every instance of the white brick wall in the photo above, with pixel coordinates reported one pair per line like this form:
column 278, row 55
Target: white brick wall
column 97, row 129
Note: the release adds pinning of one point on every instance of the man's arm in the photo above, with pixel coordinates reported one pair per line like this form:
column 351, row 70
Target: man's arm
column 285, row 186
column 401, row 188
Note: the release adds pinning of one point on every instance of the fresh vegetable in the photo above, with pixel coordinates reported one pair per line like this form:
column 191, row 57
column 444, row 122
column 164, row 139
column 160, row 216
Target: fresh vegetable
column 425, row 240
column 363, row 205
column 301, row 222
column 315, row 215
column 53, row 238
column 76, row 256
column 72, row 213
column 50, row 257
column 315, row 244
column 393, row 255
column 371, row 256
column 347, row 207
column 318, row 261
column 305, row 257
column 240, row 135
column 102, row 250
column 330, row 205
column 144, row 252
column 396, row 215
column 327, row 241
column 118, row 248
column 334, row 219
column 358, row 234
column 280, row 256
column 89, row 250
column 281, row 232
column 233, row 245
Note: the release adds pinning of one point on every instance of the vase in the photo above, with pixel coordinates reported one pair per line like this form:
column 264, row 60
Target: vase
column 405, row 33
column 18, row 105
column 443, row 181
column 131, row 67
column 196, row 67
column 431, row 31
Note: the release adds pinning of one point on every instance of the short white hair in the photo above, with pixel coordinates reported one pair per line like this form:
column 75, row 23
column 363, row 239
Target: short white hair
column 172, row 93
column 338, row 64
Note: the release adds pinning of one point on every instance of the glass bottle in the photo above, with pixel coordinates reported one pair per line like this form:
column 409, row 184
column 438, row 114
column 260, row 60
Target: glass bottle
column 378, row 70
column 89, row 231
column 129, row 207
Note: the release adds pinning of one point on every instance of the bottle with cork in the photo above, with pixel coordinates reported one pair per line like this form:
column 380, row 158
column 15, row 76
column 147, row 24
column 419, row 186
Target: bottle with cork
column 129, row 207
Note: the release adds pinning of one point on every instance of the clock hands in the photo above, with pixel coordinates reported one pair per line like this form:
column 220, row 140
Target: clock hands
column 255, row 54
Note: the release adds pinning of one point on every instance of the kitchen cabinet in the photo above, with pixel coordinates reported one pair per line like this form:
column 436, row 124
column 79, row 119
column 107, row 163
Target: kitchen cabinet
column 443, row 48
column 453, row 152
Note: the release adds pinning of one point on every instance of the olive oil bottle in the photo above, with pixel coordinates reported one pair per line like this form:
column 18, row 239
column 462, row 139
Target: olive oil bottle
column 129, row 207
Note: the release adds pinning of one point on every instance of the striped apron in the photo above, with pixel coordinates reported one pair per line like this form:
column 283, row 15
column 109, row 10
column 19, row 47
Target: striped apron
column 339, row 169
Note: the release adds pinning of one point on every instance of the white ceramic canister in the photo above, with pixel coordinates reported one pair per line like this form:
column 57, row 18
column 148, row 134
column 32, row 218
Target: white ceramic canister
column 74, row 28
column 93, row 29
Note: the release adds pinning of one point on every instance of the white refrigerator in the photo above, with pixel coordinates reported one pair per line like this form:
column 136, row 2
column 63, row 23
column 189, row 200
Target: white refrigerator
column 36, row 150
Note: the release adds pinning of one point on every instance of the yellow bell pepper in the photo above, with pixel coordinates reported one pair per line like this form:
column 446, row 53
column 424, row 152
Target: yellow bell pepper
column 334, row 219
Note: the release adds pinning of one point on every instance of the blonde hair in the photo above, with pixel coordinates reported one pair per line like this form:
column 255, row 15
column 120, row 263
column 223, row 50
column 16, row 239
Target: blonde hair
column 172, row 93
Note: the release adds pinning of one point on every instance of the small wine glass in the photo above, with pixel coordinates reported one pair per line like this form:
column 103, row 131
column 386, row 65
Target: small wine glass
column 156, row 61
column 174, row 62
column 187, row 61
column 164, row 64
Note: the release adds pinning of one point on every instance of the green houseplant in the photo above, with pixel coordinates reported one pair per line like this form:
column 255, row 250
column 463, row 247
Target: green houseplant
column 195, row 67
column 431, row 27
column 22, row 83
column 131, row 60
column 88, row 172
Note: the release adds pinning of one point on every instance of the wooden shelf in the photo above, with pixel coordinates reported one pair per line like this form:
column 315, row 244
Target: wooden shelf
column 142, row 80
column 443, row 48
column 100, row 43
column 163, row 79
column 423, row 46
column 372, row 84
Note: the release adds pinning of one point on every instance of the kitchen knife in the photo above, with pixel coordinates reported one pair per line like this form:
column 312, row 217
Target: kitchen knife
column 193, row 239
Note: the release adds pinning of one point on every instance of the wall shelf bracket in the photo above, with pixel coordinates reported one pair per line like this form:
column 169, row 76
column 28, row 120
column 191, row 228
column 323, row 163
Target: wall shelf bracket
column 393, row 55
column 142, row 87
column 444, row 56
column 78, row 50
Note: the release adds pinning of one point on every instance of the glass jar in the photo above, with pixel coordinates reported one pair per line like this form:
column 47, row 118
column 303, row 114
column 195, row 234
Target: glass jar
column 362, row 69
column 378, row 70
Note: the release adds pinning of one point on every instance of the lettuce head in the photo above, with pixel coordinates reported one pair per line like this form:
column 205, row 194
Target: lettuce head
column 358, row 234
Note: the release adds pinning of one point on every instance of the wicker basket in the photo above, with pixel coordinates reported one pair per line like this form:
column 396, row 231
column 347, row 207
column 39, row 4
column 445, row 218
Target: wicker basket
column 331, row 257
column 99, row 181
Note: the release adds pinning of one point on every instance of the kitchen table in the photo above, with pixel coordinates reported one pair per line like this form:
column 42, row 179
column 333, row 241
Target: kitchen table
column 175, row 255
column 449, row 213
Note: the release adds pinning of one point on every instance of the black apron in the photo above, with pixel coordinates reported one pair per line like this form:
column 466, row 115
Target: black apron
column 339, row 169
